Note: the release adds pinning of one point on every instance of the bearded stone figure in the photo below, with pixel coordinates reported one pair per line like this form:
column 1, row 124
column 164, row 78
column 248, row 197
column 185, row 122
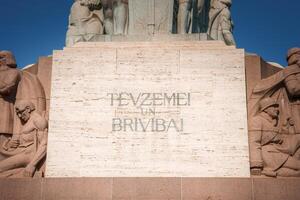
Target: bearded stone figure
column 9, row 80
column 85, row 21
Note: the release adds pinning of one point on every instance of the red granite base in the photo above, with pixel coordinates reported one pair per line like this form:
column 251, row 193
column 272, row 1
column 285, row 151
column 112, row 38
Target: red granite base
column 150, row 189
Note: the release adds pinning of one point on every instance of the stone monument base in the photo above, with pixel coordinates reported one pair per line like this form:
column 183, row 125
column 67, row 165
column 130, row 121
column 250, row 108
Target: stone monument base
column 150, row 188
column 148, row 109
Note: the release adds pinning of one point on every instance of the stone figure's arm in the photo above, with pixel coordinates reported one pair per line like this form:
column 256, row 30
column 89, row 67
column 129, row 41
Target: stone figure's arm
column 10, row 83
column 41, row 125
column 255, row 137
column 11, row 143
column 292, row 84
column 38, row 156
column 226, row 25
column 2, row 84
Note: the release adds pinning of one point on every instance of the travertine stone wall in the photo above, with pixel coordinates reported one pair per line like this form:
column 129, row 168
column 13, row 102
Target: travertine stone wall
column 205, row 124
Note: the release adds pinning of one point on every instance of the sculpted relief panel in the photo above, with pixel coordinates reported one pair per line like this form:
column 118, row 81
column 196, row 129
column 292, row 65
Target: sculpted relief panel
column 23, row 126
column 91, row 18
column 274, row 128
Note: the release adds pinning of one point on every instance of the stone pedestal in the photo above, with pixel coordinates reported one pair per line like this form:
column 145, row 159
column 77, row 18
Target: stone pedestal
column 150, row 188
column 140, row 109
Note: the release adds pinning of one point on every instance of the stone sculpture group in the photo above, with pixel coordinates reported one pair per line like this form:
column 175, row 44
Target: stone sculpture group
column 274, row 119
column 90, row 18
column 23, row 126
column 274, row 128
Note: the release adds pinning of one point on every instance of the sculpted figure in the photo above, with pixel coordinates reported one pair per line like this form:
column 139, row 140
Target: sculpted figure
column 108, row 17
column 115, row 16
column 272, row 152
column 184, row 16
column 25, row 149
column 85, row 21
column 191, row 16
column 284, row 87
column 220, row 23
column 9, row 80
column 120, row 16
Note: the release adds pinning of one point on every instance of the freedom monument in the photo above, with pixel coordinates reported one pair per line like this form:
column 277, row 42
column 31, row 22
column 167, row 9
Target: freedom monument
column 150, row 99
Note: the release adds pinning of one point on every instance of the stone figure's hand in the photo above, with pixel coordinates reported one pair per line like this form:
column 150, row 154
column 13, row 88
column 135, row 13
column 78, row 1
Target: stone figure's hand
column 291, row 122
column 29, row 171
column 14, row 143
column 290, row 145
column 256, row 171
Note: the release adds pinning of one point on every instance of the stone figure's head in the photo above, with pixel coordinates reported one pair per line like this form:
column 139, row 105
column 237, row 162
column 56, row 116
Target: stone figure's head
column 92, row 4
column 269, row 106
column 24, row 109
column 7, row 58
column 293, row 56
column 228, row 3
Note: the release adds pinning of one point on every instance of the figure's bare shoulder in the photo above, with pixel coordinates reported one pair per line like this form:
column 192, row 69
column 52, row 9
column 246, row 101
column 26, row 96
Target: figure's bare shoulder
column 40, row 122
column 12, row 75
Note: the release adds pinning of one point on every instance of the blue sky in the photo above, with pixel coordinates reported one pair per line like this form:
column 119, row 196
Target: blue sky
column 33, row 28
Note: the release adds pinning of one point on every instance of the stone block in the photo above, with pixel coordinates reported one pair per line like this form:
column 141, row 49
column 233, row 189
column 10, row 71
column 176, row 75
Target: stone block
column 276, row 189
column 20, row 189
column 146, row 188
column 216, row 189
column 44, row 75
column 77, row 189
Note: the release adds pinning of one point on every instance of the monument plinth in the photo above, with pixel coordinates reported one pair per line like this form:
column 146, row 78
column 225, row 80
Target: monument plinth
column 159, row 109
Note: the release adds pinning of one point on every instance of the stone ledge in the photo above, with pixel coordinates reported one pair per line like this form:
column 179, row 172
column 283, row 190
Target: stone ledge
column 150, row 188
column 151, row 37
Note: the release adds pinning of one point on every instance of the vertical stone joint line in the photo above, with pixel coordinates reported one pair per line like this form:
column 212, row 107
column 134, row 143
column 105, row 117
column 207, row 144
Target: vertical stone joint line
column 116, row 60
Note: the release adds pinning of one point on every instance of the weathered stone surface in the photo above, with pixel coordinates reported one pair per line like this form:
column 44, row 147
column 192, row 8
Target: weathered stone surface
column 147, row 188
column 150, row 188
column 211, row 142
column 216, row 188
column 77, row 189
column 20, row 189
column 264, row 189
column 257, row 69
column 44, row 75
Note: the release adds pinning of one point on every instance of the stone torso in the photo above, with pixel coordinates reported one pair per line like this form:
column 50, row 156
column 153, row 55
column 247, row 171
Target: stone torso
column 9, row 79
column 30, row 130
